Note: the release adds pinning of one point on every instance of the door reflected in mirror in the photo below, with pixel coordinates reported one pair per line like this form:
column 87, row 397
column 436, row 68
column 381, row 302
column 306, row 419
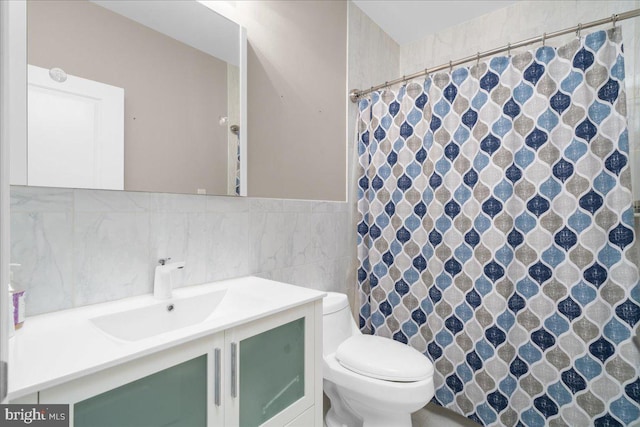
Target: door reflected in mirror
column 134, row 95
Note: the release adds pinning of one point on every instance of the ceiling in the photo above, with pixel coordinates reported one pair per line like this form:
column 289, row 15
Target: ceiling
column 407, row 21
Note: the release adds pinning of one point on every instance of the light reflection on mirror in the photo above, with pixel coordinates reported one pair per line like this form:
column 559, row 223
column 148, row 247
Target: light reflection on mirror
column 176, row 66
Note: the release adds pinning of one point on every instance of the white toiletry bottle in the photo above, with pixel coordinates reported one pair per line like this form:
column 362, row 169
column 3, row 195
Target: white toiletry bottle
column 17, row 302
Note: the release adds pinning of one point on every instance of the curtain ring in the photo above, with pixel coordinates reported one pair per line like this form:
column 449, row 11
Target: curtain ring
column 544, row 39
column 426, row 72
column 614, row 18
column 450, row 67
column 478, row 59
column 509, row 49
column 578, row 33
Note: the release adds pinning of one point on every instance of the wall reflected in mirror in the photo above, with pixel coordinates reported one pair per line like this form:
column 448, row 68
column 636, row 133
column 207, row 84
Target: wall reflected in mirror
column 132, row 95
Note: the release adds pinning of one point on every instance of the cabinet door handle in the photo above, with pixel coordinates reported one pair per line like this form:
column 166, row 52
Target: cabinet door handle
column 234, row 369
column 216, row 373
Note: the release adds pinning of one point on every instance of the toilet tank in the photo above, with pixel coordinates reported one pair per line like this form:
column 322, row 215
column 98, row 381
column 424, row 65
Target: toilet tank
column 337, row 321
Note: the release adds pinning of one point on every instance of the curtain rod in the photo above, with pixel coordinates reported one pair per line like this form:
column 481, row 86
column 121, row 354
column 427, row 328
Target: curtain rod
column 356, row 94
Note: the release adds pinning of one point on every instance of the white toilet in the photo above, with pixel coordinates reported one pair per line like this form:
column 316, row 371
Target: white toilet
column 371, row 381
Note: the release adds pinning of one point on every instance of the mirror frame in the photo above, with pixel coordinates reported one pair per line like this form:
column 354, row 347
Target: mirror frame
column 18, row 99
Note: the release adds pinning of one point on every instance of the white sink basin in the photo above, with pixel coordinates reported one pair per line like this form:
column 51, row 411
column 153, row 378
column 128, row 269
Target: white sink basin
column 167, row 316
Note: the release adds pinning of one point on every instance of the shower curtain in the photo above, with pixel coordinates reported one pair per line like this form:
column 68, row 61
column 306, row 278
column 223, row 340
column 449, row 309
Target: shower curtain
column 495, row 234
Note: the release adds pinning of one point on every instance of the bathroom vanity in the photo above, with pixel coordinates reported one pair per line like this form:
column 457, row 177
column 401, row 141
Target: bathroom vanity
column 251, row 357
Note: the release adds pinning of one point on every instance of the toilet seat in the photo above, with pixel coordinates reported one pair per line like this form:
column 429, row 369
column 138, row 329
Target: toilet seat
column 383, row 358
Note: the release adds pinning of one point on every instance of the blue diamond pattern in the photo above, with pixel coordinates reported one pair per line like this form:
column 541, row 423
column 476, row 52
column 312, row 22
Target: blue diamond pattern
column 591, row 202
column 609, row 92
column 560, row 102
column 602, row 349
column 586, row 130
column 534, row 72
column 616, row 162
column 574, row 381
column 546, row 406
column 583, row 59
column 536, row 139
column 629, row 312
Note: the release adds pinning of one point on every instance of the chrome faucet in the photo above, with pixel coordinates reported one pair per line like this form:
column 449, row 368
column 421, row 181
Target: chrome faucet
column 163, row 278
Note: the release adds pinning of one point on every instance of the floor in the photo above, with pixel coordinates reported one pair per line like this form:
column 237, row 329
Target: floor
column 431, row 415
column 434, row 415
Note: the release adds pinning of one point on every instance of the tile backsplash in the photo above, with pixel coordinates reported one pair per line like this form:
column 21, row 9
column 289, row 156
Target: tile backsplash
column 79, row 247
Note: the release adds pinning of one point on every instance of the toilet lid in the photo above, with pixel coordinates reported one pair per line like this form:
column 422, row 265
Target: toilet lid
column 384, row 359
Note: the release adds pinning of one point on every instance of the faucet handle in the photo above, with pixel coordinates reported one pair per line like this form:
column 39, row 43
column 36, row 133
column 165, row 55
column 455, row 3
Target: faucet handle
column 163, row 261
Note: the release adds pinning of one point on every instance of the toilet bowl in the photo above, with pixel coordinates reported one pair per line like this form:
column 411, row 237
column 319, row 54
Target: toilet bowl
column 371, row 381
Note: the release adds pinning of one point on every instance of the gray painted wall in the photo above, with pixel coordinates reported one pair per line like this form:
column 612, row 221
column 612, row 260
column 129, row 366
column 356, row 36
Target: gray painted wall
column 296, row 115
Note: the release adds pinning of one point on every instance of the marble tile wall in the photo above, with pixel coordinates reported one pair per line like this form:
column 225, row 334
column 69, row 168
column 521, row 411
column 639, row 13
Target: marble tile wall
column 373, row 57
column 80, row 247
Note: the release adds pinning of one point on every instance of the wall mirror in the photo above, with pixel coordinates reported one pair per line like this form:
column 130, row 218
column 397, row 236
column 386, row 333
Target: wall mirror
column 134, row 95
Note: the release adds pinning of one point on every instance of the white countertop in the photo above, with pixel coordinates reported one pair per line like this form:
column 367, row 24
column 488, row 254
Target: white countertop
column 53, row 348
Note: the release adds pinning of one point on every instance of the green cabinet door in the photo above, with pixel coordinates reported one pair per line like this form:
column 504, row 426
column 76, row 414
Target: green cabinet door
column 271, row 372
column 176, row 396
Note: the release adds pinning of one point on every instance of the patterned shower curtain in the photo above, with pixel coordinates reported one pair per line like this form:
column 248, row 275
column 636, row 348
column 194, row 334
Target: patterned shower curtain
column 496, row 234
